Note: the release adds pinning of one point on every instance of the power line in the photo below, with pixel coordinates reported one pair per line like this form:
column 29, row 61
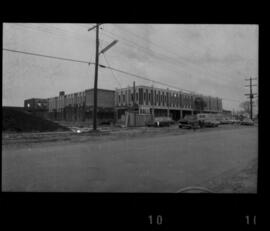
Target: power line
column 159, row 82
column 43, row 29
column 108, row 67
column 47, row 56
column 111, row 70
column 157, row 45
column 148, row 79
column 81, row 61
column 143, row 50
column 175, row 60
column 55, row 31
column 59, row 30
column 251, row 95
column 199, row 69
column 61, row 33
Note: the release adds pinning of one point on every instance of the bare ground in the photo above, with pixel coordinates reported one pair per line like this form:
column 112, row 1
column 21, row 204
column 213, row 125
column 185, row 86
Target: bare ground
column 242, row 180
column 236, row 181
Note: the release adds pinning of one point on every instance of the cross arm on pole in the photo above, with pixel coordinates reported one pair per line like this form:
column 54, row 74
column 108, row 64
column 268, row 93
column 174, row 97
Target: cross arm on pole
column 98, row 24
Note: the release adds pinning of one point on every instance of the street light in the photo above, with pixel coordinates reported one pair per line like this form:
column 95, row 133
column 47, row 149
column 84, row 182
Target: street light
column 108, row 47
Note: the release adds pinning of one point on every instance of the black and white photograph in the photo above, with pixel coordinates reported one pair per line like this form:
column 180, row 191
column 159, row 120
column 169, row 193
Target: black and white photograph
column 130, row 108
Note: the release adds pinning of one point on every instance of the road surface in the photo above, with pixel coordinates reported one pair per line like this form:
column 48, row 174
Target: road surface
column 150, row 164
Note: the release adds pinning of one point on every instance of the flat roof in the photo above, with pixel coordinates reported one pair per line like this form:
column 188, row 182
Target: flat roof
column 100, row 89
column 37, row 99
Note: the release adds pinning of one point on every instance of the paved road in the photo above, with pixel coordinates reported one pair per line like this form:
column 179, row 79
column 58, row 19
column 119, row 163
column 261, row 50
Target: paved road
column 152, row 164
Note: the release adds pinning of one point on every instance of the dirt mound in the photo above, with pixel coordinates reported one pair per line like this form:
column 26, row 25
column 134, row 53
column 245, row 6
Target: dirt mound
column 19, row 121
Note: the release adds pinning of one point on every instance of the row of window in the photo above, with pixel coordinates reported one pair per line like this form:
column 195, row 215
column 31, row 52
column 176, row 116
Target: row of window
column 144, row 97
column 159, row 99
column 60, row 102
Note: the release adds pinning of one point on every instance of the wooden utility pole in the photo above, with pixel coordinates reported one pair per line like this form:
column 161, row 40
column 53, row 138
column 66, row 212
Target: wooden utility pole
column 96, row 70
column 152, row 102
column 134, row 94
column 250, row 95
column 96, row 80
column 169, row 102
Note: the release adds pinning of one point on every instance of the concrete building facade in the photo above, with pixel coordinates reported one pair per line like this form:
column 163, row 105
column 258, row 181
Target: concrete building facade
column 112, row 105
column 161, row 102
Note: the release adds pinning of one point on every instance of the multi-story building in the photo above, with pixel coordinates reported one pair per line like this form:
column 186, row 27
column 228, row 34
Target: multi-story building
column 79, row 106
column 113, row 104
column 161, row 102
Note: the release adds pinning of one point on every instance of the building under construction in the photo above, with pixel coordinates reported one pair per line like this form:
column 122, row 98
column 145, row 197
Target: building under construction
column 162, row 102
column 113, row 105
column 79, row 106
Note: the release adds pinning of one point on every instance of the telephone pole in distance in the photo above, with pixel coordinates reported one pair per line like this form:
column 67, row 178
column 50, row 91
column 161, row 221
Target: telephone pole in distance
column 251, row 95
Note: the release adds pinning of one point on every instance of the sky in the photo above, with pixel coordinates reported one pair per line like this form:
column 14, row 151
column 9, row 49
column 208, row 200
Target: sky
column 210, row 59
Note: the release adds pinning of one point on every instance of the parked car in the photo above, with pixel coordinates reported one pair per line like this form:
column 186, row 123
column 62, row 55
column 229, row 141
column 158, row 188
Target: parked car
column 234, row 121
column 189, row 121
column 226, row 121
column 207, row 120
column 247, row 122
column 209, row 123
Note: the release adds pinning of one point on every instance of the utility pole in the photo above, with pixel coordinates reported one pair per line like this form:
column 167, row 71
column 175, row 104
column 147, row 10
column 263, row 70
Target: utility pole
column 96, row 80
column 251, row 95
column 134, row 93
column 168, row 103
column 152, row 101
column 96, row 76
column 96, row 70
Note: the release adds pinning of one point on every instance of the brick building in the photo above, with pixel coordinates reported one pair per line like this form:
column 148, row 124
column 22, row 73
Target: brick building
column 79, row 106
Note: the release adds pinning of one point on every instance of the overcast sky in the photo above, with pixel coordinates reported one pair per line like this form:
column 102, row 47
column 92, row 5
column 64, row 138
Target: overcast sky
column 208, row 59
